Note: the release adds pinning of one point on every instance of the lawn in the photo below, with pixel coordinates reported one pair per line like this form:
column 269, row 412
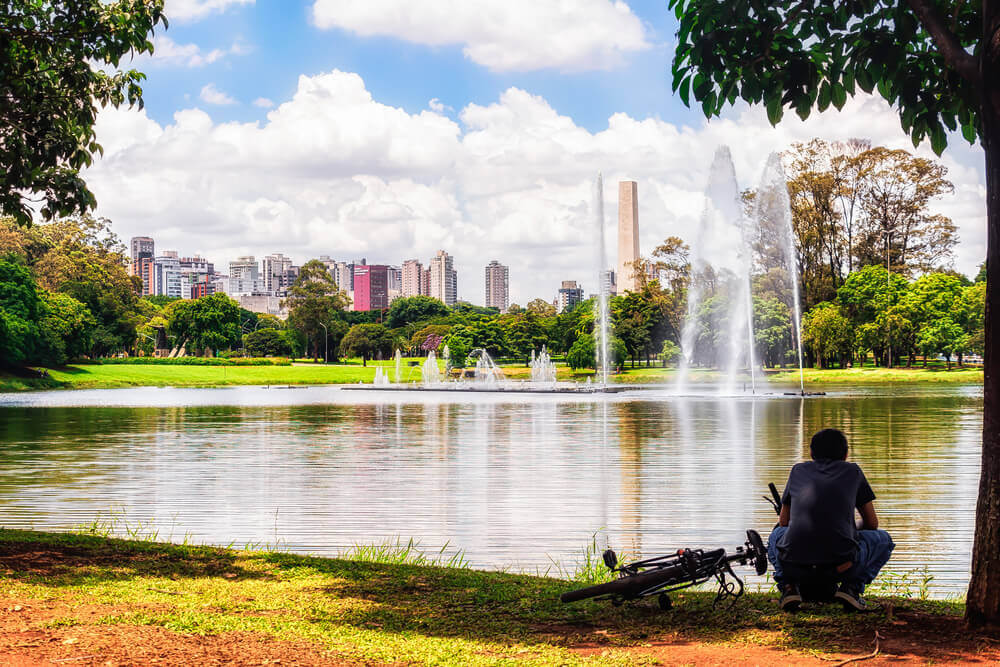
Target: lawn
column 90, row 376
column 98, row 376
column 86, row 597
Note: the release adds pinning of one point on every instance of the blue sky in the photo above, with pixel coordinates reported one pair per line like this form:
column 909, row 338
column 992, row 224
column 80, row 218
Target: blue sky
column 389, row 129
column 282, row 43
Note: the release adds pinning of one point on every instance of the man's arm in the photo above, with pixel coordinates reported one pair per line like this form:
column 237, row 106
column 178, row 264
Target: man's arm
column 869, row 520
column 786, row 512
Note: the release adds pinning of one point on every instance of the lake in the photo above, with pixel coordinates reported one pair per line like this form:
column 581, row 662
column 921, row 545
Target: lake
column 521, row 481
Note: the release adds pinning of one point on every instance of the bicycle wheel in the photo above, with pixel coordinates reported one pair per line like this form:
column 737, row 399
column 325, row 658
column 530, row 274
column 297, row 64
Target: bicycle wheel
column 631, row 586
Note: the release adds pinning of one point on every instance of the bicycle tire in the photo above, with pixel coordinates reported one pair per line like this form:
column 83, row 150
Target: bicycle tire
column 627, row 587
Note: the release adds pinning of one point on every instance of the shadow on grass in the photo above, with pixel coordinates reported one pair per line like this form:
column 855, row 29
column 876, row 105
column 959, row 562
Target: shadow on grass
column 495, row 607
column 508, row 608
column 69, row 559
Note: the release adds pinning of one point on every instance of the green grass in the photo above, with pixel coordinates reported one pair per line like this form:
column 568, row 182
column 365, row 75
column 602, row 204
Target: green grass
column 100, row 376
column 95, row 376
column 873, row 375
column 814, row 377
column 14, row 383
column 393, row 609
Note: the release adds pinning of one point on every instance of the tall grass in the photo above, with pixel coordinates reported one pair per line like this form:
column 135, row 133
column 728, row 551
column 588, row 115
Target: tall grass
column 396, row 552
column 589, row 568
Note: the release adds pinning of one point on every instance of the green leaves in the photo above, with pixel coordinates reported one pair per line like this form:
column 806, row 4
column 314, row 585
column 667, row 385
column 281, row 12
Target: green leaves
column 774, row 110
column 803, row 54
column 52, row 93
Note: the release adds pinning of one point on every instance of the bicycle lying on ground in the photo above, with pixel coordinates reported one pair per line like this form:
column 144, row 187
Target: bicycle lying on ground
column 664, row 574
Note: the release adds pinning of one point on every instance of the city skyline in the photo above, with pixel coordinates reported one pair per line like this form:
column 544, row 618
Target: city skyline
column 253, row 279
column 313, row 143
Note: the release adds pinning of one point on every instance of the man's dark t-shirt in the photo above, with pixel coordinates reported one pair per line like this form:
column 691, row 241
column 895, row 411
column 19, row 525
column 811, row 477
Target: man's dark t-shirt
column 822, row 496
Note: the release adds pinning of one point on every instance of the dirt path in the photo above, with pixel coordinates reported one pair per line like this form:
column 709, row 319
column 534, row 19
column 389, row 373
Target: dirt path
column 31, row 633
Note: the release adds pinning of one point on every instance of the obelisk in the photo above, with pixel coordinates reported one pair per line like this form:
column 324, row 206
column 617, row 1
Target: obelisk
column 628, row 236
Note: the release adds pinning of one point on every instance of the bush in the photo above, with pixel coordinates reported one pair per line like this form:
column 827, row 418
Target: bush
column 268, row 343
column 582, row 353
column 191, row 361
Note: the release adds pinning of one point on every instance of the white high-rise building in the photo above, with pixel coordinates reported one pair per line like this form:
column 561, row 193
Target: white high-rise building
column 167, row 276
column 244, row 276
column 608, row 280
column 570, row 294
column 497, row 286
column 443, row 278
column 278, row 273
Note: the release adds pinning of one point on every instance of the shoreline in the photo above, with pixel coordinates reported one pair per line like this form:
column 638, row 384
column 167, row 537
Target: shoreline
column 112, row 376
column 91, row 599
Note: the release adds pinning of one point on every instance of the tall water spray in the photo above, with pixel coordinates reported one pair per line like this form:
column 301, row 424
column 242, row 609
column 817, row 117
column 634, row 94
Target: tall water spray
column 773, row 214
column 721, row 257
column 430, row 374
column 543, row 369
column 601, row 332
column 399, row 366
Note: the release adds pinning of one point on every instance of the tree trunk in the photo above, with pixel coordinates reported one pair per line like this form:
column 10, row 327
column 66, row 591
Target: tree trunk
column 983, row 600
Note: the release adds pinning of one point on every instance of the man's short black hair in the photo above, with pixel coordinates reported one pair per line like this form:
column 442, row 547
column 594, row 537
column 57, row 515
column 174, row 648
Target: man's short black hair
column 829, row 444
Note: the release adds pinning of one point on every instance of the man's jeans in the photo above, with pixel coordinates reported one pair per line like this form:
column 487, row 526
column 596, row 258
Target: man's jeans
column 874, row 549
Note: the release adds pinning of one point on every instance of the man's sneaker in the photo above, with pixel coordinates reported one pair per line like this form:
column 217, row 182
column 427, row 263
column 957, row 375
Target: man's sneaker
column 849, row 595
column 790, row 598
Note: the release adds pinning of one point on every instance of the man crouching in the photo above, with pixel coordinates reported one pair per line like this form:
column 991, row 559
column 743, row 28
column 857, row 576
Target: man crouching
column 817, row 539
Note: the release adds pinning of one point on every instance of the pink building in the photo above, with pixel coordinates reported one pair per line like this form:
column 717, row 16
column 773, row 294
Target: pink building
column 371, row 287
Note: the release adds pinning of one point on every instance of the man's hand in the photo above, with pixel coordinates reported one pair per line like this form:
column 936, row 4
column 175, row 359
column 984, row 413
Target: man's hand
column 785, row 514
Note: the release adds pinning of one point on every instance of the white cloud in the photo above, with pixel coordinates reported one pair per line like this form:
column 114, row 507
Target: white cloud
column 333, row 171
column 168, row 53
column 514, row 35
column 193, row 10
column 263, row 103
column 212, row 95
column 437, row 106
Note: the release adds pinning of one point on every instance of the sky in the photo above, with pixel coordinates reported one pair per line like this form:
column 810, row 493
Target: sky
column 389, row 129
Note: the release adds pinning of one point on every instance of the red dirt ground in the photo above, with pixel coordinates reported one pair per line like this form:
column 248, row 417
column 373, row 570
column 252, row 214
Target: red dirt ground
column 25, row 640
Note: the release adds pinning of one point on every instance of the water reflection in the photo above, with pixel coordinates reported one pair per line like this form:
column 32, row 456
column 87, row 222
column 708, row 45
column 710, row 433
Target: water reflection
column 513, row 481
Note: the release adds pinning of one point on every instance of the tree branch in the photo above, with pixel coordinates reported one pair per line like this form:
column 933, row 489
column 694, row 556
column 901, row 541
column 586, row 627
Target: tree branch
column 947, row 43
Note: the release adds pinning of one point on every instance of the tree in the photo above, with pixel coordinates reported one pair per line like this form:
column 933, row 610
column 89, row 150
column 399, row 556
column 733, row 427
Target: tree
column 433, row 332
column 974, row 300
column 65, row 329
column 19, row 310
column 314, row 301
column 412, row 309
column 772, row 331
column 83, row 258
column 366, row 341
column 582, row 354
column 268, row 342
column 939, row 309
column 827, row 333
column 60, row 62
column 524, row 333
column 866, row 297
column 208, row 324
column 670, row 352
column 938, row 63
column 941, row 336
column 813, row 189
column 897, row 229
column 633, row 316
column 541, row 307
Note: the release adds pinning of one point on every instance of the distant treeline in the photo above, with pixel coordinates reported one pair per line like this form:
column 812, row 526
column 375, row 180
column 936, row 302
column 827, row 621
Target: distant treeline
column 65, row 292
